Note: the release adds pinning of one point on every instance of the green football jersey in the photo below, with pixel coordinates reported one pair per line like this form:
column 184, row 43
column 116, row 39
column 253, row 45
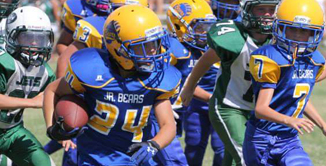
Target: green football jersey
column 3, row 34
column 18, row 81
column 233, row 45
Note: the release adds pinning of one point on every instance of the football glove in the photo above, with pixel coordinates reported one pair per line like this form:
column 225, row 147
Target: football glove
column 58, row 133
column 142, row 152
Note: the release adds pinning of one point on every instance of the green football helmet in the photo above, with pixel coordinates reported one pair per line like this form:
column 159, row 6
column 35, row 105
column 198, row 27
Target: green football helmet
column 260, row 24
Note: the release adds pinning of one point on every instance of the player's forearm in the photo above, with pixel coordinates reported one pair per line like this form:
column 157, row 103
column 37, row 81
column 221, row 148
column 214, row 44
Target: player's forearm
column 263, row 111
column 165, row 119
column 267, row 113
column 11, row 103
column 50, row 98
column 201, row 67
column 311, row 112
column 166, row 134
column 201, row 94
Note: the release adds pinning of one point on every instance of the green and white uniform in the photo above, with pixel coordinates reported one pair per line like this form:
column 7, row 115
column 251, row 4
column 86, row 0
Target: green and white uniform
column 3, row 34
column 232, row 98
column 16, row 80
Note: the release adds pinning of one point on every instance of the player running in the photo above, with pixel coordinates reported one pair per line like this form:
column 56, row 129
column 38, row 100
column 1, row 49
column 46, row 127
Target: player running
column 230, row 44
column 284, row 75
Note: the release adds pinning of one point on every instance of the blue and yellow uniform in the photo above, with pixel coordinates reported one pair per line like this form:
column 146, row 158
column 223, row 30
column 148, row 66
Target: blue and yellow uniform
column 119, row 107
column 90, row 31
column 197, row 126
column 74, row 10
column 293, row 79
column 173, row 154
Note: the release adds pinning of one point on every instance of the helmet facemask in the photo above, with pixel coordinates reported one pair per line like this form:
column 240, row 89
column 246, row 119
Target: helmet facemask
column 225, row 10
column 148, row 54
column 7, row 7
column 197, row 36
column 30, row 47
column 291, row 46
column 259, row 24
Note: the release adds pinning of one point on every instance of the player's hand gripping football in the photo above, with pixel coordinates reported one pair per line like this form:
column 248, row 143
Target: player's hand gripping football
column 300, row 123
column 142, row 152
column 58, row 133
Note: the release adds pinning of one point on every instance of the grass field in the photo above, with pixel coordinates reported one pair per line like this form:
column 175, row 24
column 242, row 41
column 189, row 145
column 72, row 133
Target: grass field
column 314, row 143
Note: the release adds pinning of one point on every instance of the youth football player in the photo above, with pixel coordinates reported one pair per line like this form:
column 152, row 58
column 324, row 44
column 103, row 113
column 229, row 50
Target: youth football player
column 230, row 44
column 284, row 75
column 189, row 21
column 121, row 85
column 74, row 10
column 88, row 33
column 24, row 76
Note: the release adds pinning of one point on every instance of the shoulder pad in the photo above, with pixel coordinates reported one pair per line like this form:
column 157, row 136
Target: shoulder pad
column 164, row 81
column 178, row 51
column 95, row 62
column 223, row 34
column 317, row 58
column 90, row 31
column 7, row 63
column 72, row 11
column 263, row 68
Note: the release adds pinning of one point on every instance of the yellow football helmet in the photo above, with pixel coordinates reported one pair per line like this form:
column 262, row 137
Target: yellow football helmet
column 118, row 3
column 189, row 21
column 136, row 39
column 301, row 14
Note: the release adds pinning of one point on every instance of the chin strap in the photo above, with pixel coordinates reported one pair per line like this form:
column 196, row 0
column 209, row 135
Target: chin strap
column 294, row 55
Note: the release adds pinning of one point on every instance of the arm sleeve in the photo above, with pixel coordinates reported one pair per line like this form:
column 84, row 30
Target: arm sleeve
column 169, row 94
column 265, row 71
column 226, row 39
column 87, row 34
column 73, row 80
column 68, row 19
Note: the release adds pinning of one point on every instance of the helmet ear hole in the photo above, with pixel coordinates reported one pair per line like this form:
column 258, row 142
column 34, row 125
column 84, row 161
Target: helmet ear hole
column 177, row 27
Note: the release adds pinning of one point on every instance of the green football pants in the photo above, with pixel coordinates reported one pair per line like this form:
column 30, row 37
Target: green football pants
column 229, row 123
column 22, row 147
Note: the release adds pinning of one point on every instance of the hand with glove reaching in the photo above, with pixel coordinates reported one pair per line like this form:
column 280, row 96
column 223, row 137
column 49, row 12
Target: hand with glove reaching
column 58, row 133
column 142, row 152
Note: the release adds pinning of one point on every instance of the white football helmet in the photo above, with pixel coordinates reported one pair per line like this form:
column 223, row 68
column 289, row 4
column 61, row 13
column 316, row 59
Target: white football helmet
column 29, row 35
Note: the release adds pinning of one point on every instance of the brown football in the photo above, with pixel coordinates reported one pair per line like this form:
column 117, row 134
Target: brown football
column 73, row 109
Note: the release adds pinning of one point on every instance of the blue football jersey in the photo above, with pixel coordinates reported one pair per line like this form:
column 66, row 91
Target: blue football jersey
column 74, row 10
column 118, row 107
column 90, row 31
column 292, row 79
column 180, row 57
